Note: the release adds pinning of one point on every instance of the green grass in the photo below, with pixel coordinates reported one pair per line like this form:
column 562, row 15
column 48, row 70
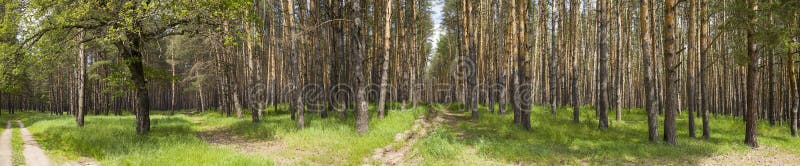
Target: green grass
column 328, row 141
column 491, row 140
column 112, row 141
column 17, row 146
column 174, row 140
column 557, row 140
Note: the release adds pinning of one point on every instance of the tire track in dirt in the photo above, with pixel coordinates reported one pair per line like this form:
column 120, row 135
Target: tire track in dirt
column 5, row 146
column 397, row 152
column 34, row 155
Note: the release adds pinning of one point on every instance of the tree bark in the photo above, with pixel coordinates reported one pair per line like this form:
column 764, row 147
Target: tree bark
column 751, row 129
column 524, row 87
column 690, row 56
column 602, row 55
column 576, row 115
column 81, row 111
column 704, row 47
column 670, row 135
column 362, row 114
column 133, row 55
column 650, row 94
column 385, row 67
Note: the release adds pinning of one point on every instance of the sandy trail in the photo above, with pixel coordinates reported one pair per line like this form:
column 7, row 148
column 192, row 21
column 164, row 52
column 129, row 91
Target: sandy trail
column 760, row 156
column 34, row 155
column 5, row 146
column 399, row 151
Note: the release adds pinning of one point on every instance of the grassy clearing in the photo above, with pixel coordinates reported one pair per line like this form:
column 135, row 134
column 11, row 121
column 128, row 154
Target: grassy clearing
column 328, row 141
column 557, row 140
column 113, row 141
column 174, row 140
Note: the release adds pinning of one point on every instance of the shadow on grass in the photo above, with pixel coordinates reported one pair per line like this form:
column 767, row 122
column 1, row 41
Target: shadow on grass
column 323, row 141
column 113, row 141
column 557, row 140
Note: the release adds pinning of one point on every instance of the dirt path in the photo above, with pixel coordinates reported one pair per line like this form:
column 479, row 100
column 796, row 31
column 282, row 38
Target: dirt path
column 5, row 146
column 397, row 152
column 761, row 156
column 34, row 155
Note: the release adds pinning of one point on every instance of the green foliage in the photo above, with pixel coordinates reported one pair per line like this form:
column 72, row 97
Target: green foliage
column 443, row 57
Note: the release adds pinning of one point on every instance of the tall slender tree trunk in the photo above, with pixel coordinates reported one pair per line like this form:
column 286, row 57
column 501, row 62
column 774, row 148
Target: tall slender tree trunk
column 576, row 115
column 255, row 78
column 670, row 135
column 602, row 55
column 703, row 107
column 387, row 33
column 650, row 93
column 362, row 114
column 690, row 56
column 293, row 61
column 751, row 129
column 792, row 92
column 524, row 87
column 81, row 81
column 553, row 64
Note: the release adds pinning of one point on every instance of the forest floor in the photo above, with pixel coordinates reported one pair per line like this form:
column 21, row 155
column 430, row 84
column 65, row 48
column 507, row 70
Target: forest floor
column 439, row 134
column 324, row 141
column 18, row 147
column 556, row 140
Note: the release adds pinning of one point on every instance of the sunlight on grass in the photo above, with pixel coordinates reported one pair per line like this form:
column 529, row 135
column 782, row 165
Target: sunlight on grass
column 17, row 146
column 324, row 140
column 557, row 140
column 113, row 141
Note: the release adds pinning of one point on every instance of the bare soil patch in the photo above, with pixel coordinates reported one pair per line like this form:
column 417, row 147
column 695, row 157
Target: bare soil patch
column 760, row 156
column 271, row 149
column 399, row 151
